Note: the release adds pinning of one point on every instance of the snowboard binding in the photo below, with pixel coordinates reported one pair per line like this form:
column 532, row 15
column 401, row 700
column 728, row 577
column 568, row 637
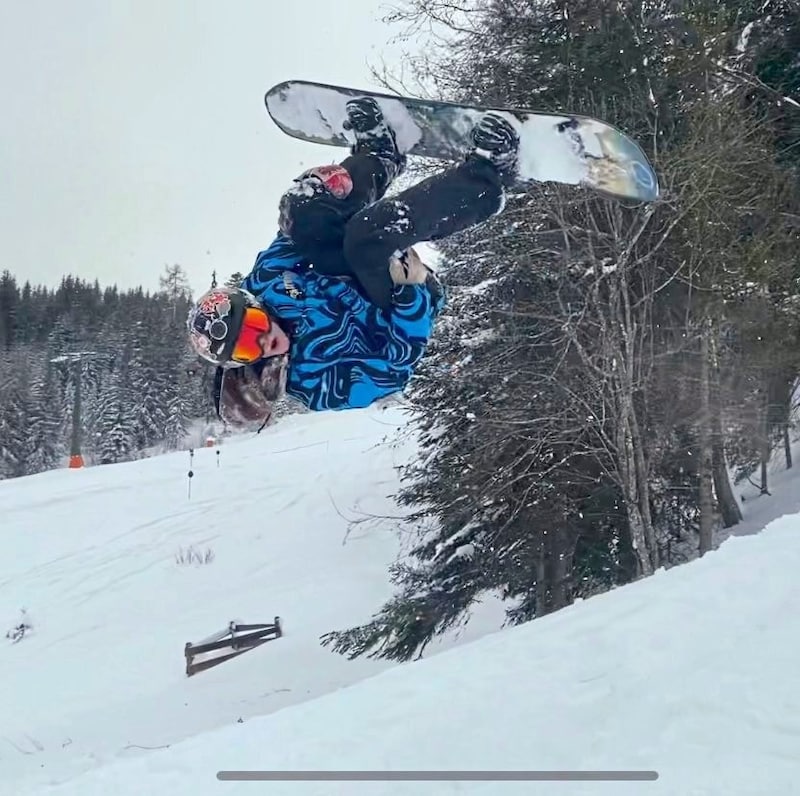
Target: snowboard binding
column 373, row 134
column 495, row 139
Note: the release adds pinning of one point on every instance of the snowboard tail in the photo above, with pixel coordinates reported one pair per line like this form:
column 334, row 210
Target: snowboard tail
column 574, row 150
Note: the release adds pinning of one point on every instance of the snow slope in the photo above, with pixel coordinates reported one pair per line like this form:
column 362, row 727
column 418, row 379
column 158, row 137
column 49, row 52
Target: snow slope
column 91, row 554
column 692, row 673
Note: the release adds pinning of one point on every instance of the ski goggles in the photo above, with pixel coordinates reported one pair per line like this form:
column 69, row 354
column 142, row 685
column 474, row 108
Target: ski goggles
column 247, row 348
column 335, row 178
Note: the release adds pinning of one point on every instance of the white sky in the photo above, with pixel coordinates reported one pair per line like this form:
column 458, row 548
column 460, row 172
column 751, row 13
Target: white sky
column 134, row 133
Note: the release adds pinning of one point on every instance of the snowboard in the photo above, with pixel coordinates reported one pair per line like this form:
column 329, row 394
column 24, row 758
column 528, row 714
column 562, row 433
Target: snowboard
column 574, row 150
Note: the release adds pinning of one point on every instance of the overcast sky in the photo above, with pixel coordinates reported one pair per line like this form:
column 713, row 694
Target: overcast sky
column 134, row 133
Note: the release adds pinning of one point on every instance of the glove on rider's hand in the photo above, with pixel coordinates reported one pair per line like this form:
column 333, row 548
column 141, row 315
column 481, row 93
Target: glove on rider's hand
column 408, row 269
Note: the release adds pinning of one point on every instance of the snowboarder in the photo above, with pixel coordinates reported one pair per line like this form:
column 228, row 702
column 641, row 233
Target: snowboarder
column 337, row 312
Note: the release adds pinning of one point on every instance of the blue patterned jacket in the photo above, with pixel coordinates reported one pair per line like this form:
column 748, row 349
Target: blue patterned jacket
column 345, row 352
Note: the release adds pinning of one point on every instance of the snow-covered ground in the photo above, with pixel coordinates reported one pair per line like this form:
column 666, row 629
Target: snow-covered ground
column 692, row 673
column 292, row 518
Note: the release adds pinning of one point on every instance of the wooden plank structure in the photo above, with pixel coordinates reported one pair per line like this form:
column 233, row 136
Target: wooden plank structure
column 234, row 640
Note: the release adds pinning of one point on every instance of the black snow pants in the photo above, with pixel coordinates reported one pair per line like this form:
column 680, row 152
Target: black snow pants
column 357, row 235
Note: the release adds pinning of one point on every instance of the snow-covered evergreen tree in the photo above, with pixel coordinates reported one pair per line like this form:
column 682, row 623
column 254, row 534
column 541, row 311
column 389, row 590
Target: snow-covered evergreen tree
column 48, row 449
column 136, row 389
column 571, row 400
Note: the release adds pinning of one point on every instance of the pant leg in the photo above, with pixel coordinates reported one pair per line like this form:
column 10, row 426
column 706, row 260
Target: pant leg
column 371, row 177
column 316, row 221
column 435, row 208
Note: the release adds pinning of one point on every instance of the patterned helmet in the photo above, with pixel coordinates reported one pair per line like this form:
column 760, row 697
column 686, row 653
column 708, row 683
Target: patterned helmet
column 215, row 321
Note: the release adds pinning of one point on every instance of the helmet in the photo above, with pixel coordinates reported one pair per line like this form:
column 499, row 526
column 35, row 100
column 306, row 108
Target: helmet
column 219, row 319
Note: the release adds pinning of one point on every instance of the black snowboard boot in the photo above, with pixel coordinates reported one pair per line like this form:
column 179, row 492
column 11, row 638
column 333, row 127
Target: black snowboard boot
column 494, row 139
column 373, row 134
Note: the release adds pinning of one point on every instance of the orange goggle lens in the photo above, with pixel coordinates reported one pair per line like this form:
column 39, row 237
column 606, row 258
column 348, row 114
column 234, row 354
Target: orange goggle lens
column 247, row 348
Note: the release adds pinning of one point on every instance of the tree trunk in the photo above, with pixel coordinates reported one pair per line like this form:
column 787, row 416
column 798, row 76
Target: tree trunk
column 787, row 446
column 638, row 541
column 559, row 560
column 728, row 507
column 541, row 582
column 765, row 451
column 630, row 447
column 643, row 491
column 642, row 538
column 706, row 497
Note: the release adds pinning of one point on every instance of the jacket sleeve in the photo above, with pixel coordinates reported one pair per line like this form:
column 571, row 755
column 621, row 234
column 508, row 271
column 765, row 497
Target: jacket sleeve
column 343, row 375
column 276, row 258
column 410, row 324
column 267, row 279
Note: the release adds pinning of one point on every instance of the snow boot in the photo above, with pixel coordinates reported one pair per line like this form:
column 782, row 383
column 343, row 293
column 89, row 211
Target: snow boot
column 373, row 134
column 494, row 138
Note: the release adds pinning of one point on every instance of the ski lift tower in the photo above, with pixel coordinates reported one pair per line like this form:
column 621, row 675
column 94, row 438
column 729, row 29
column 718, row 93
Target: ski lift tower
column 75, row 358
